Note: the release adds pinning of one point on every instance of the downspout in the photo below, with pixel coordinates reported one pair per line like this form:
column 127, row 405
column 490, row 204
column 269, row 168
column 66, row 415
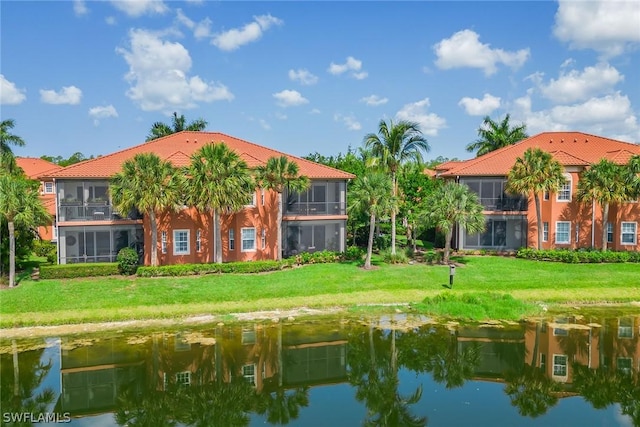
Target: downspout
column 55, row 221
column 593, row 223
column 457, row 234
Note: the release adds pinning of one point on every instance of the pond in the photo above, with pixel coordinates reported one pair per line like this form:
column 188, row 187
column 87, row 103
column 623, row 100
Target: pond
column 387, row 371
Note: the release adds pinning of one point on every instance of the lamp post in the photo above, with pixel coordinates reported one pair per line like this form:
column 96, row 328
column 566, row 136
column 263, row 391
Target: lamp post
column 452, row 272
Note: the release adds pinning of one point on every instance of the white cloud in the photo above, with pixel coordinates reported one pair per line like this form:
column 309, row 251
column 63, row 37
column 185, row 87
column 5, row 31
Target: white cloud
column 349, row 121
column 303, row 76
column 480, row 107
column 67, row 95
column 280, row 116
column 567, row 63
column 200, row 29
column 353, row 65
column 102, row 112
column 236, row 37
column 577, row 86
column 264, row 124
column 136, row 8
column 315, row 111
column 608, row 27
column 290, row 98
column 374, row 100
column 464, row 49
column 80, row 7
column 158, row 74
column 110, row 20
column 9, row 93
column 430, row 123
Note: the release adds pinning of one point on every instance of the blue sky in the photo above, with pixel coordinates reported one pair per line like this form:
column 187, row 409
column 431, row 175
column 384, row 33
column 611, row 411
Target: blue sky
column 301, row 77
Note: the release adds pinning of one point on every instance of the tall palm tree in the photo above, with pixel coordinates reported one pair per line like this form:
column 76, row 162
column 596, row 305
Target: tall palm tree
column 178, row 124
column 493, row 135
column 20, row 205
column 394, row 144
column 7, row 158
column 633, row 176
column 151, row 185
column 452, row 204
column 604, row 184
column 535, row 172
column 277, row 174
column 219, row 182
column 370, row 194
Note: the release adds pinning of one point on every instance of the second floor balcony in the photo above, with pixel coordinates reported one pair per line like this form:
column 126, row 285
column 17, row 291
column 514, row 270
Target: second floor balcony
column 505, row 203
column 322, row 198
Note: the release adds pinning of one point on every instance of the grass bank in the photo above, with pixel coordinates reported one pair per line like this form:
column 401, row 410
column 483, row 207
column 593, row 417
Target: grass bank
column 54, row 302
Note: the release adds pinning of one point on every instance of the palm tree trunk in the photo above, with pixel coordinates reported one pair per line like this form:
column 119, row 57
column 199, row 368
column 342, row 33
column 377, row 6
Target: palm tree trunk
column 447, row 245
column 536, row 199
column 413, row 236
column 279, row 226
column 218, row 236
column 372, row 225
column 12, row 254
column 605, row 218
column 16, row 369
column 393, row 214
column 154, row 238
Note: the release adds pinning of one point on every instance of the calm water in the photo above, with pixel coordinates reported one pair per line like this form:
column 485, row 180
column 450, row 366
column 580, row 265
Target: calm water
column 572, row 372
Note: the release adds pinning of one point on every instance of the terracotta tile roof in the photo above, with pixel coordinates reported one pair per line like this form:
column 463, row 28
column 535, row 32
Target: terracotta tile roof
column 570, row 148
column 34, row 168
column 448, row 165
column 429, row 172
column 181, row 145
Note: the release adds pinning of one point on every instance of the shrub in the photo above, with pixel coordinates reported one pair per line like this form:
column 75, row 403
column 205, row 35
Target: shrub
column 354, row 253
column 578, row 256
column 127, row 261
column 400, row 257
column 43, row 248
column 70, row 271
column 213, row 268
column 382, row 241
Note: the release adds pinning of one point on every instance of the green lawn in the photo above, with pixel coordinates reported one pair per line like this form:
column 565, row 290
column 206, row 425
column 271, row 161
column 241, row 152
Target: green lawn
column 50, row 302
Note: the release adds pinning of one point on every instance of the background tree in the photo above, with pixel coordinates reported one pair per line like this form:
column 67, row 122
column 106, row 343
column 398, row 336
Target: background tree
column 178, row 124
column 633, row 177
column 278, row 174
column 453, row 204
column 151, row 185
column 220, row 182
column 395, row 144
column 604, row 183
column 20, row 205
column 76, row 157
column 493, row 135
column 371, row 194
column 535, row 172
column 7, row 139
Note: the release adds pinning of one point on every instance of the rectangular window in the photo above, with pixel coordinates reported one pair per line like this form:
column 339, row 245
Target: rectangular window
column 559, row 365
column 183, row 378
column 232, row 239
column 163, row 242
column 248, row 239
column 624, row 364
column 625, row 327
column 563, row 232
column 543, row 362
column 545, row 231
column 263, row 238
column 609, row 232
column 181, row 242
column 48, row 187
column 564, row 195
column 252, row 200
column 198, row 240
column 628, row 233
column 545, row 195
column 262, row 196
column 249, row 373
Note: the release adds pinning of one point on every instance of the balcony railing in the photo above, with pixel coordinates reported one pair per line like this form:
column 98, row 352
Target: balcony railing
column 504, row 204
column 92, row 212
column 316, row 208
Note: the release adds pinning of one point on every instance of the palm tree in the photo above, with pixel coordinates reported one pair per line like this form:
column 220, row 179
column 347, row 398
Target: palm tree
column 535, row 172
column 453, row 204
column 531, row 391
column 178, row 124
column 7, row 159
column 20, row 205
column 219, row 182
column 370, row 194
column 394, row 144
column 280, row 173
column 604, row 184
column 151, row 185
column 493, row 135
column 633, row 176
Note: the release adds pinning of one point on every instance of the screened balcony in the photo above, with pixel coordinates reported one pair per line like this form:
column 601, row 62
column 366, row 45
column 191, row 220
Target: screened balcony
column 322, row 198
column 493, row 196
column 87, row 200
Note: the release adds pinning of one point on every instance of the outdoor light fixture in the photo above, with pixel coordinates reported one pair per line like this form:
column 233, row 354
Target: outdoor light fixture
column 452, row 272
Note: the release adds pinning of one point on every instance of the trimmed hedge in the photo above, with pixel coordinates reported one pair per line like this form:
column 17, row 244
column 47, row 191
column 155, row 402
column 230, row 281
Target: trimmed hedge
column 578, row 256
column 71, row 271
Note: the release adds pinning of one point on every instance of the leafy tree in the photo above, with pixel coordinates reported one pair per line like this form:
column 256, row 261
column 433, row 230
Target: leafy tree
column 535, row 172
column 493, row 135
column 76, row 157
column 151, row 185
column 219, row 182
column 604, row 184
column 7, row 158
column 178, row 124
column 371, row 194
column 453, row 204
column 280, row 173
column 395, row 144
column 633, row 176
column 20, row 205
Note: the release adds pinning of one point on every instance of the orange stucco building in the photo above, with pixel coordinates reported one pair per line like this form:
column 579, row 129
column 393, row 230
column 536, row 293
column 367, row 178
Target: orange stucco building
column 91, row 230
column 567, row 222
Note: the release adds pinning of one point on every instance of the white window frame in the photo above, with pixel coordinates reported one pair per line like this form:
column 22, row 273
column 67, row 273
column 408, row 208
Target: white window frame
column 562, row 242
column 623, row 233
column 559, row 365
column 249, row 373
column 49, row 190
column 263, row 238
column 610, row 235
column 242, row 239
column 183, row 378
column 163, row 242
column 232, row 239
column 545, row 231
column 176, row 241
column 626, row 370
column 262, row 196
column 545, row 195
column 252, row 203
column 563, row 189
column 198, row 240
column 625, row 331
